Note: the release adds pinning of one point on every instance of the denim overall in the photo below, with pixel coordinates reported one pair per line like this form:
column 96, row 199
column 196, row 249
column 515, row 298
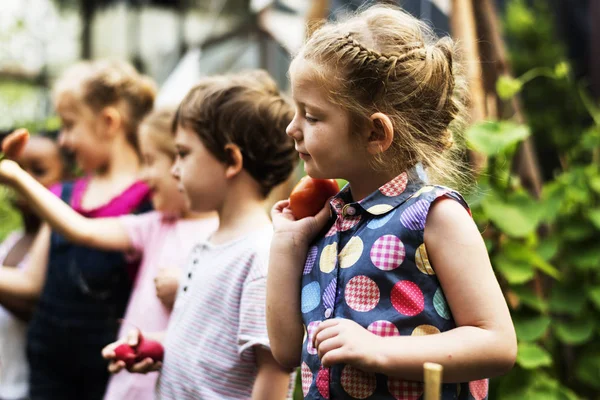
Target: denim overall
column 85, row 293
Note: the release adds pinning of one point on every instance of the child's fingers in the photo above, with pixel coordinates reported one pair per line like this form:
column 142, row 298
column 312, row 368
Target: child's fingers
column 328, row 345
column 116, row 366
column 133, row 337
column 108, row 352
column 335, row 356
column 280, row 206
column 326, row 324
column 143, row 367
column 324, row 334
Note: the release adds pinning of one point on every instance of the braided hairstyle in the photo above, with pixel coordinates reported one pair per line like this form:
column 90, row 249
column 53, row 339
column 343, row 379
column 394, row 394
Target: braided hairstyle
column 385, row 60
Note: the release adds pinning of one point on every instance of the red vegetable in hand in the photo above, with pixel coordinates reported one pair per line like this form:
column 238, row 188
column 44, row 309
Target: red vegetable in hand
column 14, row 143
column 144, row 349
column 149, row 348
column 126, row 353
column 310, row 195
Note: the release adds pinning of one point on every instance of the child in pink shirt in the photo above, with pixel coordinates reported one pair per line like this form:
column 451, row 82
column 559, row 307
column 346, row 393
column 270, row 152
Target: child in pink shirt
column 161, row 238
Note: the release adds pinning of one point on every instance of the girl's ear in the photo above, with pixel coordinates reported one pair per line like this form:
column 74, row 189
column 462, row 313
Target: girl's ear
column 381, row 133
column 111, row 121
column 235, row 160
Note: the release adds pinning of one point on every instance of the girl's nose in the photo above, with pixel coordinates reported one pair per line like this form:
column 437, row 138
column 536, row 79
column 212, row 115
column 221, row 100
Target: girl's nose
column 293, row 131
column 175, row 169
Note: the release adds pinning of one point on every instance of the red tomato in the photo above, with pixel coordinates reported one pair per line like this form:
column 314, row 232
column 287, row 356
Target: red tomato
column 310, row 195
column 14, row 143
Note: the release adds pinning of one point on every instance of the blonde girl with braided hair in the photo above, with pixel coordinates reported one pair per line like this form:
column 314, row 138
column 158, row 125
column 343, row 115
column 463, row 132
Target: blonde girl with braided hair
column 392, row 272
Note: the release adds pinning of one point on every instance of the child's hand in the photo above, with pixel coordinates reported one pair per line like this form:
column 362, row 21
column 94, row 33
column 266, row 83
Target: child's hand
column 142, row 367
column 8, row 171
column 300, row 231
column 343, row 341
column 167, row 283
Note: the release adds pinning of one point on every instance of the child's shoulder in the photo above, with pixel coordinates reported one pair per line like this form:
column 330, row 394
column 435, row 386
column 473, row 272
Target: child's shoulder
column 431, row 193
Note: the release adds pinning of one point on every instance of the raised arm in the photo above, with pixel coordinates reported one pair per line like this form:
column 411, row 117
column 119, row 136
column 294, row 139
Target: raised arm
column 288, row 254
column 26, row 284
column 102, row 233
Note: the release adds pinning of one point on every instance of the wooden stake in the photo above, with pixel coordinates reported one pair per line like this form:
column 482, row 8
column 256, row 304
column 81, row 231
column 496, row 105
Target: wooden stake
column 433, row 380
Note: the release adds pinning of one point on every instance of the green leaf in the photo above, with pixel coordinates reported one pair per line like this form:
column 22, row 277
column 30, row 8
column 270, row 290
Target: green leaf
column 529, row 298
column 567, row 300
column 575, row 332
column 518, row 216
column 548, row 247
column 530, row 356
column 587, row 369
column 515, row 272
column 594, row 296
column 507, row 87
column 577, row 231
column 519, row 252
column 531, row 329
column 493, row 137
column 594, row 216
column 584, row 258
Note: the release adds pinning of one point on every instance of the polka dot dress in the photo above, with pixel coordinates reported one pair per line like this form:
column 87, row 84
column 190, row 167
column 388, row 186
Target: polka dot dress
column 371, row 266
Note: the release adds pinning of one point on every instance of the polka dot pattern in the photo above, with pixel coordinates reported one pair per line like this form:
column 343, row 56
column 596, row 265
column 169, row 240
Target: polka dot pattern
column 383, row 328
column 351, row 252
column 373, row 268
column 328, row 259
column 329, row 294
column 379, row 209
column 380, row 222
column 323, row 382
column 424, row 330
column 405, row 390
column 362, row 293
column 388, row 253
column 414, row 216
column 311, row 297
column 422, row 260
column 407, row 298
column 440, row 305
column 357, row 383
column 310, row 260
column 479, row 389
column 307, row 378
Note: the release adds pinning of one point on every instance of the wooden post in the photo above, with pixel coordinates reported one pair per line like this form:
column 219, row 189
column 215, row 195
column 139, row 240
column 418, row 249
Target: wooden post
column 433, row 380
column 464, row 29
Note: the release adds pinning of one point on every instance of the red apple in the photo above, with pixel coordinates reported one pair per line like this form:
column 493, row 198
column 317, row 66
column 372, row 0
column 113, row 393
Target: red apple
column 310, row 195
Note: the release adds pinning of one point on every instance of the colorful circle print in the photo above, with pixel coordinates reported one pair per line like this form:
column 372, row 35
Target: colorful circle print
column 351, row 252
column 440, row 304
column 362, row 293
column 328, row 258
column 383, row 328
column 311, row 257
column 422, row 260
column 377, row 223
column 387, row 253
column 311, row 297
column 307, row 378
column 323, row 382
column 405, row 390
column 414, row 216
column 357, row 383
column 479, row 389
column 423, row 330
column 407, row 298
